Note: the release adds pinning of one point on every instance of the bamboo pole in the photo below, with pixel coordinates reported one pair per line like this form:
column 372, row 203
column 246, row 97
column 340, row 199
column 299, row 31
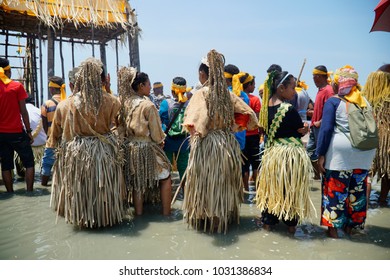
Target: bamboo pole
column 62, row 58
column 300, row 73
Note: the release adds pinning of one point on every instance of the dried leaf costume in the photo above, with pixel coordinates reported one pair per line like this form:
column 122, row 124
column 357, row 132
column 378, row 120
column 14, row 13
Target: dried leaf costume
column 283, row 182
column 87, row 179
column 377, row 92
column 213, row 181
column 140, row 128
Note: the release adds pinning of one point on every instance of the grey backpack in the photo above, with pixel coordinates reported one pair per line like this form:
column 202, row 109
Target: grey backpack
column 362, row 126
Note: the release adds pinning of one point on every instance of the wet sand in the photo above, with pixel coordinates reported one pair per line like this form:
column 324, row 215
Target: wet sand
column 30, row 231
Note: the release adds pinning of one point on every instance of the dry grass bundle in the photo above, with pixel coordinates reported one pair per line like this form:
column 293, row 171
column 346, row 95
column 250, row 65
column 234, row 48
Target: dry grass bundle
column 89, row 84
column 218, row 101
column 80, row 12
column 141, row 168
column 283, row 181
column 377, row 89
column 213, row 189
column 381, row 164
column 87, row 183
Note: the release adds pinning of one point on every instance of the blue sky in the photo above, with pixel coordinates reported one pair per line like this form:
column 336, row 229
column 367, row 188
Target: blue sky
column 252, row 34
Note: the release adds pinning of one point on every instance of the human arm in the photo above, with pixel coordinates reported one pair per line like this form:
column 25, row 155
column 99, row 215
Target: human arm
column 25, row 118
column 326, row 130
column 154, row 124
column 164, row 114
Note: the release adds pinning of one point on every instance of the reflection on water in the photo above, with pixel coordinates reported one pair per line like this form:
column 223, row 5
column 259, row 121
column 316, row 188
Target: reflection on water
column 29, row 231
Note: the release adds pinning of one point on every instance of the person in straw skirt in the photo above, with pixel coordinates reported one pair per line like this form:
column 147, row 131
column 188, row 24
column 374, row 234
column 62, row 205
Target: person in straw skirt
column 87, row 183
column 377, row 92
column 283, row 181
column 213, row 182
column 147, row 169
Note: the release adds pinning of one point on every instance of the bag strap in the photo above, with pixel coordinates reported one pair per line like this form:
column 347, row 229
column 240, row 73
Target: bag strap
column 337, row 125
column 174, row 118
column 55, row 101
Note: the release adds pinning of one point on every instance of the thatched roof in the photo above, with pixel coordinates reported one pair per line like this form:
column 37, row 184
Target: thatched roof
column 109, row 18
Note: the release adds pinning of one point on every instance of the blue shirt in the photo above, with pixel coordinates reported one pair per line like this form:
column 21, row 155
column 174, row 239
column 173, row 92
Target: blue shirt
column 241, row 135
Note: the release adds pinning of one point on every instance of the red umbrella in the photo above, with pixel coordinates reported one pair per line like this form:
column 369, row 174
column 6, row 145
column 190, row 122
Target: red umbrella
column 382, row 17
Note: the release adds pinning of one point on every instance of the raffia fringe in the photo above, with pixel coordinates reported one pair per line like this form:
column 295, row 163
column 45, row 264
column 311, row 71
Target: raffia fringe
column 141, row 169
column 381, row 163
column 283, row 183
column 213, row 182
column 88, row 188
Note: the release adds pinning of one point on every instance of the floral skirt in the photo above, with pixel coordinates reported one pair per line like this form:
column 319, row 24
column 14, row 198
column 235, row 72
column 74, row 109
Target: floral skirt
column 344, row 198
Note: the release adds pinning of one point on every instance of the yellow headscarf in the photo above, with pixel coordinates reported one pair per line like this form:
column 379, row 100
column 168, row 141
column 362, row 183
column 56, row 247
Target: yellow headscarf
column 319, row 72
column 3, row 77
column 237, row 86
column 179, row 91
column 301, row 85
column 62, row 89
column 347, row 80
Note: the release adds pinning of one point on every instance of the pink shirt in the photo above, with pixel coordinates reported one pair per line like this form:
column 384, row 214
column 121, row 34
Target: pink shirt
column 321, row 97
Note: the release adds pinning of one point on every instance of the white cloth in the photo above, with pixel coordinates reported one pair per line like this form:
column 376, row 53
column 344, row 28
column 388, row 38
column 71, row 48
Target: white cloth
column 341, row 155
column 302, row 104
column 34, row 115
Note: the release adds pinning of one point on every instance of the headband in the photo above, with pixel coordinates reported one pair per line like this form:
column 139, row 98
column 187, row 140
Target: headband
column 284, row 78
column 319, row 72
column 227, row 75
column 62, row 89
column 158, row 85
column 179, row 91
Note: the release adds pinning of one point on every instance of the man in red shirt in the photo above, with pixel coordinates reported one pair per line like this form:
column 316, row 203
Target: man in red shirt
column 320, row 78
column 13, row 135
column 252, row 139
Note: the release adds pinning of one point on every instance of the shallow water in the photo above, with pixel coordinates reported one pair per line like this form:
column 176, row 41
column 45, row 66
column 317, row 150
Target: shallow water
column 30, row 231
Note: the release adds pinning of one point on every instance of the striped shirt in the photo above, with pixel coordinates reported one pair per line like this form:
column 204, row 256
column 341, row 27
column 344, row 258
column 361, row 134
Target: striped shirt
column 48, row 108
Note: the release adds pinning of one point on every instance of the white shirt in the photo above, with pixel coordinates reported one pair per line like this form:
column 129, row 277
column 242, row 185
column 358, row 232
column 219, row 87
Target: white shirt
column 34, row 115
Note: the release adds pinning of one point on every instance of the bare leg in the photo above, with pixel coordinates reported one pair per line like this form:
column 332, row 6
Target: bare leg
column 316, row 170
column 30, row 178
column 245, row 179
column 385, row 187
column 138, row 200
column 332, row 232
column 7, row 177
column 166, row 195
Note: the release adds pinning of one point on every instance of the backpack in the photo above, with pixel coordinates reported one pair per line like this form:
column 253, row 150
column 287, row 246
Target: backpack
column 362, row 126
column 176, row 114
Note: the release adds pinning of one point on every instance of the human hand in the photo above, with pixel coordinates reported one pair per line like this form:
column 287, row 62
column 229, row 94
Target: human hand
column 31, row 138
column 321, row 164
column 305, row 129
column 317, row 123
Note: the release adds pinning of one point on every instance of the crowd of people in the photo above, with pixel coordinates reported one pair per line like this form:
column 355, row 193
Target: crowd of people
column 107, row 154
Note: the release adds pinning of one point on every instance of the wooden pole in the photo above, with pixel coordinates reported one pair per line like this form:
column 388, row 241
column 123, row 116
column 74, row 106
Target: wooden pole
column 116, row 54
column 72, row 54
column 300, row 73
column 40, row 65
column 62, row 58
column 103, row 55
column 134, row 50
column 50, row 52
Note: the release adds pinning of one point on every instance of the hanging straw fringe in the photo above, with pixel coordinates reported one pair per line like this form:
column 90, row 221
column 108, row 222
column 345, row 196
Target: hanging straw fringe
column 283, row 181
column 107, row 13
column 141, row 168
column 213, row 189
column 88, row 188
column 381, row 163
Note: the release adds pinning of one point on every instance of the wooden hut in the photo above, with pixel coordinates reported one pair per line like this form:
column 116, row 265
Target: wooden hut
column 67, row 22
